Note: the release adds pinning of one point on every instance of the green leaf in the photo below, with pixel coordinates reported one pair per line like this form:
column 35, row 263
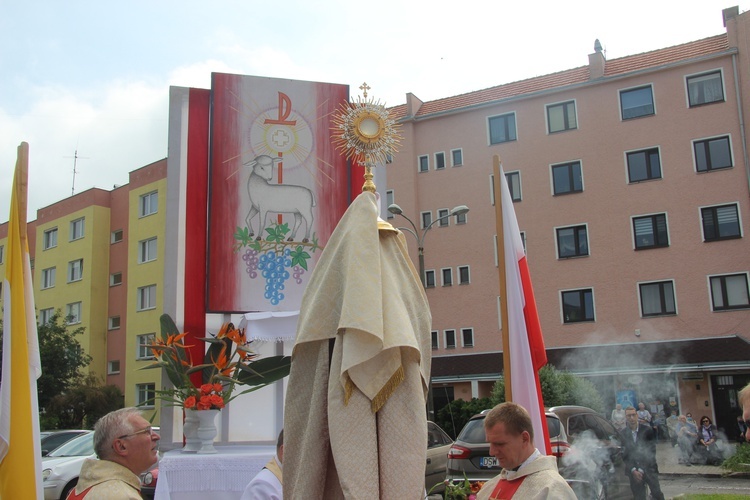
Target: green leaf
column 264, row 371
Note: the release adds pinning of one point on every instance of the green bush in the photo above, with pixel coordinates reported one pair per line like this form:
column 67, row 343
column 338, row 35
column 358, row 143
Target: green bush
column 452, row 417
column 740, row 461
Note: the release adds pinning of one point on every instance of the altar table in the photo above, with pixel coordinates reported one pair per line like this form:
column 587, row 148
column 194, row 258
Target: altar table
column 220, row 476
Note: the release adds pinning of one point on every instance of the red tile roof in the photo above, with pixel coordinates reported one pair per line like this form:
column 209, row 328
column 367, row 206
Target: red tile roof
column 627, row 64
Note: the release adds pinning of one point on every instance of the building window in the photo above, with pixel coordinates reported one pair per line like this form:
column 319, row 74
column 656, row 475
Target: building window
column 572, row 241
column 49, row 239
column 113, row 323
column 429, row 278
column 637, row 102
column 439, row 161
column 567, row 178
column 502, row 128
column 149, row 204
column 434, row 339
column 712, row 154
column 523, row 241
column 45, row 315
column 77, row 229
column 2, row 253
column 463, row 275
column 514, row 185
column 721, row 222
column 426, row 219
column 447, row 273
column 561, row 116
column 75, row 270
column 578, row 305
column 657, row 299
column 390, row 199
column 460, row 218
column 424, row 163
column 146, row 298
column 457, row 157
column 115, row 279
column 145, row 395
column 729, row 292
column 113, row 367
column 147, row 250
column 116, row 236
column 467, row 337
column 650, row 231
column 705, row 88
column 450, row 339
column 444, row 217
column 48, row 277
column 73, row 313
column 142, row 346
column 644, row 165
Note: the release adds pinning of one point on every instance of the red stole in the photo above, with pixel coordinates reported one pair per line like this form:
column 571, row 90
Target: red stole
column 72, row 495
column 504, row 490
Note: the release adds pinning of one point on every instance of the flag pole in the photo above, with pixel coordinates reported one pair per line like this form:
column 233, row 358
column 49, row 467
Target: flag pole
column 496, row 186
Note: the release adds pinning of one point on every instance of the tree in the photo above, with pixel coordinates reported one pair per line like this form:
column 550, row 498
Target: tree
column 83, row 404
column 61, row 355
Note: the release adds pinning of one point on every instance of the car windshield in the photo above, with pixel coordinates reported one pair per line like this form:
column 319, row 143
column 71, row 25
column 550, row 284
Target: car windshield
column 78, row 447
column 473, row 431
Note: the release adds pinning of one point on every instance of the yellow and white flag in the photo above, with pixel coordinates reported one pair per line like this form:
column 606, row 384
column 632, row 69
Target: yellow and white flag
column 20, row 449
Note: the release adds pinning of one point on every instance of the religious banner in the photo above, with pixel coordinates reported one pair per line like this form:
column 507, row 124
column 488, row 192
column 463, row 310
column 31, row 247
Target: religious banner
column 277, row 189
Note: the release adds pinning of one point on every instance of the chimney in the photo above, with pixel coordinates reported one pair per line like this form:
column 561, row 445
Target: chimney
column 730, row 13
column 596, row 61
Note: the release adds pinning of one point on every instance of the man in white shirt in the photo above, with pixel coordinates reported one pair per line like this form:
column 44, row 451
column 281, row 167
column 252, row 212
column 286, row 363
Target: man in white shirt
column 526, row 474
column 266, row 485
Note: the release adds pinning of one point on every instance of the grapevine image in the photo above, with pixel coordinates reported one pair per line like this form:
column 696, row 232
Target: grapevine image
column 274, row 258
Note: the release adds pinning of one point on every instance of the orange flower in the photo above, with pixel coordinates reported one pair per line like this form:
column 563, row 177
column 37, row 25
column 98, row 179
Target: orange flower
column 218, row 387
column 204, row 403
column 189, row 402
column 206, row 389
column 217, row 401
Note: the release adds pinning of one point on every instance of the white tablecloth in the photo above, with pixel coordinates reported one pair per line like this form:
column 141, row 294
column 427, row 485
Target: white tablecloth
column 224, row 475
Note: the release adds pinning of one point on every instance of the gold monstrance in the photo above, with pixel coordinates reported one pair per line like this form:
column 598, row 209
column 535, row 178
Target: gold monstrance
column 365, row 133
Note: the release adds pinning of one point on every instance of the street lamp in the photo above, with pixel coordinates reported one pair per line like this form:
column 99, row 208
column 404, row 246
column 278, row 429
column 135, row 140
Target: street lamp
column 396, row 210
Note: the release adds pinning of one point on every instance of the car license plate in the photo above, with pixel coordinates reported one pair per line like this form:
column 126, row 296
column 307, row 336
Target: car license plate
column 488, row 462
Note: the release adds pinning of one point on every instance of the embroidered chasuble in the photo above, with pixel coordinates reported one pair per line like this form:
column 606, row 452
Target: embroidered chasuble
column 354, row 417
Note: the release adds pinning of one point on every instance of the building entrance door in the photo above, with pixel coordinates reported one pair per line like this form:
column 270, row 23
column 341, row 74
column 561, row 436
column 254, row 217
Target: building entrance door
column 726, row 406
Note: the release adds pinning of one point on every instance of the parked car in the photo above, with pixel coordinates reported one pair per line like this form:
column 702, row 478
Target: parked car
column 470, row 458
column 594, row 466
column 148, row 483
column 52, row 439
column 438, row 444
column 61, row 467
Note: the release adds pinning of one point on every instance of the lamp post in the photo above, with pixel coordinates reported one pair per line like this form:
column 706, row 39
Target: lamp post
column 396, row 210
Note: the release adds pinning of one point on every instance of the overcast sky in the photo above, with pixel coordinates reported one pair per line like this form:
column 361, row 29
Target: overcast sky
column 93, row 76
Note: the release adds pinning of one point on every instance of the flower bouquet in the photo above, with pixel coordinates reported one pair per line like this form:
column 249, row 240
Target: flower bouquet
column 227, row 363
column 461, row 490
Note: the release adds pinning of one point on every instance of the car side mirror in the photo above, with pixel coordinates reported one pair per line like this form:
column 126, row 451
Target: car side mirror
column 45, row 453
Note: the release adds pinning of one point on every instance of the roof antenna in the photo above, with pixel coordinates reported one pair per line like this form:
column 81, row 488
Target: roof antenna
column 75, row 163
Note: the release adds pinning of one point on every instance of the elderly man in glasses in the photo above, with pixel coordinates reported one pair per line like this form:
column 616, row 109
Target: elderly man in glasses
column 126, row 446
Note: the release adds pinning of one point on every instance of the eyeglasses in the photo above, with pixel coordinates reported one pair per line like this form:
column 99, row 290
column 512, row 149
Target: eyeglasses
column 147, row 430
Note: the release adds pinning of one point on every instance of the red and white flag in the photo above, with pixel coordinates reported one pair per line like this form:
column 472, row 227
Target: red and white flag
column 526, row 344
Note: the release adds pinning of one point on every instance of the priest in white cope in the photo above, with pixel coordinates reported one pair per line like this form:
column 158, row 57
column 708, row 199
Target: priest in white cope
column 354, row 418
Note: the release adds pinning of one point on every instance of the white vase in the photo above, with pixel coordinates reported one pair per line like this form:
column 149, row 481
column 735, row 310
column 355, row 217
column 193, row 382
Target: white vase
column 207, row 430
column 190, row 430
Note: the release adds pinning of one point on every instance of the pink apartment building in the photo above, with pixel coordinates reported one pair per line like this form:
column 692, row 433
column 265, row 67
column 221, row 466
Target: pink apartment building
column 631, row 185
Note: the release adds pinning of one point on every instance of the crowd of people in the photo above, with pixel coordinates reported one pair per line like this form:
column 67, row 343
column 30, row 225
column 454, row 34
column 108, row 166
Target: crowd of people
column 127, row 446
column 698, row 442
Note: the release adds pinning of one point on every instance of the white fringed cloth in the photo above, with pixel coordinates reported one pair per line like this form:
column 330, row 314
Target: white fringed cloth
column 270, row 326
column 354, row 420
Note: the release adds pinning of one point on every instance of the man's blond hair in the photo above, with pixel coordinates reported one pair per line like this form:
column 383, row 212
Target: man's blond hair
column 513, row 416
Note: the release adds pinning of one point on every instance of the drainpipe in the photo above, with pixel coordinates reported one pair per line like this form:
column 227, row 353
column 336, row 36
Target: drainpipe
column 742, row 120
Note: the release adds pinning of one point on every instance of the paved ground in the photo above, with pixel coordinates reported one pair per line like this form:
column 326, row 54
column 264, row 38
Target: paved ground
column 667, row 455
